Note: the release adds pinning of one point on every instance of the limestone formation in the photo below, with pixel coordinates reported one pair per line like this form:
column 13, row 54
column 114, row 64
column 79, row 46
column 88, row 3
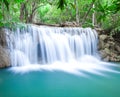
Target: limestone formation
column 3, row 41
column 117, row 48
column 4, row 58
column 103, row 37
column 109, row 49
column 4, row 54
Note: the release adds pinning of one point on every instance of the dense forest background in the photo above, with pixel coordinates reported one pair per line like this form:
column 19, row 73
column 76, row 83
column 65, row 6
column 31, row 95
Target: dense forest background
column 93, row 13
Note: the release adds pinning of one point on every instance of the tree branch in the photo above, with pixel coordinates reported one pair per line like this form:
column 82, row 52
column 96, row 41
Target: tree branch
column 85, row 16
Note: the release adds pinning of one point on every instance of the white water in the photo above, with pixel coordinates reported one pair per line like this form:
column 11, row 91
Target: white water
column 70, row 50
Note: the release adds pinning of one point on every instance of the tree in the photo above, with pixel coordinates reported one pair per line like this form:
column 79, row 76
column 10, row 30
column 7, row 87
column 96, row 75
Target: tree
column 103, row 13
column 77, row 11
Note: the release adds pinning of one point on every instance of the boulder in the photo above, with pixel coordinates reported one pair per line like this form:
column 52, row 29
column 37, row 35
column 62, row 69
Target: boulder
column 101, row 45
column 110, row 38
column 103, row 37
column 107, row 51
column 106, row 59
column 109, row 48
column 103, row 54
column 107, row 45
column 117, row 48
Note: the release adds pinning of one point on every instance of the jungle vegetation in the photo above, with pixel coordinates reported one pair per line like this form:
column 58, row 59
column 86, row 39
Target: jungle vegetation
column 93, row 13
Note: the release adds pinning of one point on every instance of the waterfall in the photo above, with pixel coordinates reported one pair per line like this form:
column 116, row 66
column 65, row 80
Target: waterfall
column 49, row 48
column 45, row 45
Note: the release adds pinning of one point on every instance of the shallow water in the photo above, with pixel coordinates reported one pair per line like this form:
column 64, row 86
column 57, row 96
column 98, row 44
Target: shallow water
column 59, row 84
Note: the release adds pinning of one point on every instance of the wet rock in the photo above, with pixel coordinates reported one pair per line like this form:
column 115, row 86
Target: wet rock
column 109, row 48
column 111, row 43
column 118, row 57
column 106, row 59
column 101, row 44
column 117, row 48
column 4, row 58
column 103, row 54
column 107, row 45
column 103, row 37
column 110, row 38
column 107, row 51
column 3, row 41
column 69, row 24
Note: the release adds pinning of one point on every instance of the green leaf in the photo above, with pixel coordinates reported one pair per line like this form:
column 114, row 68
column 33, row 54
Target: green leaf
column 73, row 5
column 6, row 4
column 62, row 4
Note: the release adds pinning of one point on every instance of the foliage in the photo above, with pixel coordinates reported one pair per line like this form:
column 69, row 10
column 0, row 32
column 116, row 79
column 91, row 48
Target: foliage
column 106, row 12
column 62, row 4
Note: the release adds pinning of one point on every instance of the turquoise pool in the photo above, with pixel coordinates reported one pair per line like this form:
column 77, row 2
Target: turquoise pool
column 58, row 84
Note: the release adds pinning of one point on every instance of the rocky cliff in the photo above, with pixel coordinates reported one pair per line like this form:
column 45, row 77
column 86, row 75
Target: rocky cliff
column 4, row 54
column 109, row 48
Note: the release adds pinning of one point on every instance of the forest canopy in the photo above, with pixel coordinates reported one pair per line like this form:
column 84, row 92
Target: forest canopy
column 94, row 13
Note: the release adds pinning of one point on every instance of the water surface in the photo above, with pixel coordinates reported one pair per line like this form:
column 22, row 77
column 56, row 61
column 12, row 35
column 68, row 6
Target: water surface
column 58, row 84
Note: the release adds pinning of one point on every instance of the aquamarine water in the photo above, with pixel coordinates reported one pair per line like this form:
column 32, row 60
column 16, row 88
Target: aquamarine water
column 58, row 84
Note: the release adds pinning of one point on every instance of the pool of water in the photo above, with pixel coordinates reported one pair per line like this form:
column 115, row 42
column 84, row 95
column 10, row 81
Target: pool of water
column 58, row 84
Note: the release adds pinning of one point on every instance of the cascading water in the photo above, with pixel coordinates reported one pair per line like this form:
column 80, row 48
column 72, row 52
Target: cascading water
column 55, row 48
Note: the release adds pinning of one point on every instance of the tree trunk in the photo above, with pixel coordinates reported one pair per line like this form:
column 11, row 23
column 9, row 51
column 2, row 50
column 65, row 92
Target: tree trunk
column 77, row 12
column 91, row 6
column 23, row 12
column 93, row 17
column 33, row 12
column 22, row 9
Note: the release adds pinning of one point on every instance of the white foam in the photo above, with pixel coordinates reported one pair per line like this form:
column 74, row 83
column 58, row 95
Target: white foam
column 87, row 64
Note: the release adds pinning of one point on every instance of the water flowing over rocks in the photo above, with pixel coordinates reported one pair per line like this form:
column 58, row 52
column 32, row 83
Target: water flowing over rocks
column 109, row 49
column 4, row 54
column 46, row 45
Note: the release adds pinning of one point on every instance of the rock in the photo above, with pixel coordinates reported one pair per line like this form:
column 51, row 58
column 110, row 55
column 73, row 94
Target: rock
column 111, row 43
column 118, row 58
column 103, row 54
column 107, row 51
column 103, row 37
column 99, row 30
column 3, row 41
column 4, row 58
column 110, row 38
column 107, row 45
column 101, row 44
column 106, row 59
column 69, row 24
column 109, row 48
column 117, row 48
